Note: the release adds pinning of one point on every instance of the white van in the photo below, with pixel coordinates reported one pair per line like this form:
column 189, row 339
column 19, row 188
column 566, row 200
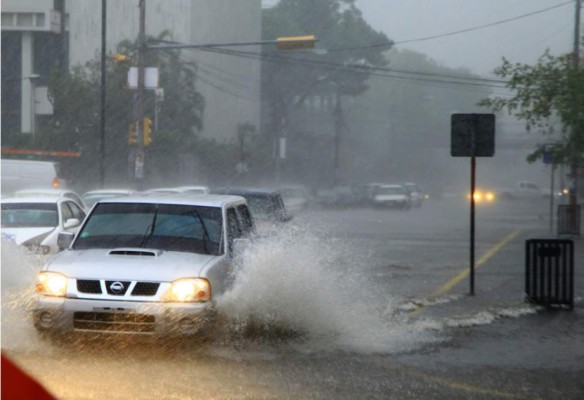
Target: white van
column 28, row 174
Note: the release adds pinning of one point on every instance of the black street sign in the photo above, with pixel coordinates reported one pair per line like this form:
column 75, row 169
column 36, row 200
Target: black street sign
column 472, row 135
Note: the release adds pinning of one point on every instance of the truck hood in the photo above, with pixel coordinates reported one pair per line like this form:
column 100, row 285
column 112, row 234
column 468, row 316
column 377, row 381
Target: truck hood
column 130, row 264
column 23, row 235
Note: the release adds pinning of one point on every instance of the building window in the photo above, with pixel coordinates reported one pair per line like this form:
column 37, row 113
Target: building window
column 7, row 19
column 24, row 19
column 40, row 19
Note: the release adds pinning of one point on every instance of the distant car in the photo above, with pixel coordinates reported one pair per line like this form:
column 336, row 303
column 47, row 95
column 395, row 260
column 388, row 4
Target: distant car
column 93, row 196
column 36, row 222
column 394, row 195
column 266, row 205
column 181, row 189
column 483, row 196
column 144, row 265
column 296, row 198
column 63, row 193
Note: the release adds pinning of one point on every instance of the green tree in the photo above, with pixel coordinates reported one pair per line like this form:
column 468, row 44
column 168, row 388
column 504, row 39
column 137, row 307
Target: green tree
column 75, row 124
column 544, row 94
column 342, row 70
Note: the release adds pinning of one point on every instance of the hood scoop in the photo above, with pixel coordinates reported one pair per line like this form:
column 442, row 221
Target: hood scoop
column 134, row 252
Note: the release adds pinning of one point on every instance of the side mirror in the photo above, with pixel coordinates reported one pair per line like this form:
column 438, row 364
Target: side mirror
column 71, row 223
column 64, row 240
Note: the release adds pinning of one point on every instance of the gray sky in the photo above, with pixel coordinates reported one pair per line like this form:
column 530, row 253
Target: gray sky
column 521, row 40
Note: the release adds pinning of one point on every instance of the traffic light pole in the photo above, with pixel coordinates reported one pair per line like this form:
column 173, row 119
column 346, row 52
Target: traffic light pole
column 573, row 193
column 139, row 118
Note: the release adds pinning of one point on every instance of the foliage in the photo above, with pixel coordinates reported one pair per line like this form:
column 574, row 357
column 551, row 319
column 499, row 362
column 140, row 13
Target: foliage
column 337, row 24
column 75, row 124
column 350, row 48
column 544, row 93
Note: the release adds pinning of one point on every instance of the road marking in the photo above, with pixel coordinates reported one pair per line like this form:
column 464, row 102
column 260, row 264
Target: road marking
column 463, row 274
column 464, row 387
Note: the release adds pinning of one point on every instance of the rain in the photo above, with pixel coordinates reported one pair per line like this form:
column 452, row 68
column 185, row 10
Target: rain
column 348, row 236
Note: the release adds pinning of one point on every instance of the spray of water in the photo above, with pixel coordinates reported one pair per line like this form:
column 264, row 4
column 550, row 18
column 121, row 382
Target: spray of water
column 19, row 267
column 321, row 289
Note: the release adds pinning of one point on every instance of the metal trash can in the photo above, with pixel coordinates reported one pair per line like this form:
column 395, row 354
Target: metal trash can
column 549, row 272
column 569, row 219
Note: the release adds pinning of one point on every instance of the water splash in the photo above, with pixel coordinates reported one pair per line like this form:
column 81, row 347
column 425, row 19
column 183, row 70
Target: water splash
column 19, row 268
column 321, row 289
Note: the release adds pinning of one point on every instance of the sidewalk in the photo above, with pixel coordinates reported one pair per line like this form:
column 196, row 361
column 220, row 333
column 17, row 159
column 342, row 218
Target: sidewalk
column 500, row 286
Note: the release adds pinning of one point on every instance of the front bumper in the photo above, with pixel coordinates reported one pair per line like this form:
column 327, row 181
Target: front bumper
column 66, row 315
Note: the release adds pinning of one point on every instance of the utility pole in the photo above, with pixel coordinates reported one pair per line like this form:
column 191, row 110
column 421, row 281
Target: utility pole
column 573, row 187
column 102, row 95
column 576, row 64
column 339, row 124
column 139, row 118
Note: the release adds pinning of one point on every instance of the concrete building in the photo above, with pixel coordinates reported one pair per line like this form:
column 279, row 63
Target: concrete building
column 32, row 42
column 30, row 47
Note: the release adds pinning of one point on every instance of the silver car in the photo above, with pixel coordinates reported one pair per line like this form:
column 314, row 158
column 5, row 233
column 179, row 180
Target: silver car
column 148, row 265
column 36, row 222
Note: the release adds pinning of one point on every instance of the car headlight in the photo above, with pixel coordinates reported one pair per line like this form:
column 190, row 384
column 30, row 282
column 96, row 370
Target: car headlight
column 51, row 284
column 489, row 196
column 190, row 290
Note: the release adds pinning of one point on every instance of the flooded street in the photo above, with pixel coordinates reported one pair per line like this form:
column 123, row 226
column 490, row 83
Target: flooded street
column 339, row 305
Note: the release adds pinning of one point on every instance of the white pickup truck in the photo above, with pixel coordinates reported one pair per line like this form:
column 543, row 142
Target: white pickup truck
column 524, row 190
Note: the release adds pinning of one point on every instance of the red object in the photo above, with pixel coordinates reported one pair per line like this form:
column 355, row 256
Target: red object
column 18, row 385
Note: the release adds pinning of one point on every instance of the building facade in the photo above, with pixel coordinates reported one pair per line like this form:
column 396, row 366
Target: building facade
column 37, row 35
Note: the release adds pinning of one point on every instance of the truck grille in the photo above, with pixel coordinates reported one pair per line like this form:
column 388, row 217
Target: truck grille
column 145, row 289
column 87, row 286
column 93, row 286
column 114, row 322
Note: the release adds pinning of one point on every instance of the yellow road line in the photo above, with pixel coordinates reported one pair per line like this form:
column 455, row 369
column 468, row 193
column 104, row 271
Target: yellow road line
column 464, row 387
column 463, row 274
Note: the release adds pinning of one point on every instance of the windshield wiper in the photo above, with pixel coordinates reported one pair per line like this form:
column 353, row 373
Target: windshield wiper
column 148, row 235
column 205, row 232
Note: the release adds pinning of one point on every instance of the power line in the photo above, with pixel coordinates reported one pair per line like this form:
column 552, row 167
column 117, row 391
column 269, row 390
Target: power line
column 452, row 33
column 373, row 71
column 486, row 25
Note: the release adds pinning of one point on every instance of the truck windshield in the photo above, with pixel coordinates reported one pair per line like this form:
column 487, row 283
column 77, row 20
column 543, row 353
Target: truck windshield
column 170, row 227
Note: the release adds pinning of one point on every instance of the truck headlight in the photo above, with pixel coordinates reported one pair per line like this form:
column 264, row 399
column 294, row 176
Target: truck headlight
column 190, row 289
column 51, row 284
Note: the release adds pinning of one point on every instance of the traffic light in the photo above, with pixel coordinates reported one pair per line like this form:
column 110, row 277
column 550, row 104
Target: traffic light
column 132, row 139
column 147, row 131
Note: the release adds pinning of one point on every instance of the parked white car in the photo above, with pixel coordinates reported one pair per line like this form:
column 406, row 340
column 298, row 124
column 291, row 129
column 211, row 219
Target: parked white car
column 93, row 196
column 181, row 189
column 145, row 264
column 52, row 192
column 36, row 222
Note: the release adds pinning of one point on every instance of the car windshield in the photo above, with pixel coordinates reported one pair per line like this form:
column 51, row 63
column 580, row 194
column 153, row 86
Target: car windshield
column 185, row 228
column 390, row 190
column 29, row 215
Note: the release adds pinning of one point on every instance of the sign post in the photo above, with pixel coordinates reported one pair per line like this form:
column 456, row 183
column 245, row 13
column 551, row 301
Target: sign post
column 472, row 135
